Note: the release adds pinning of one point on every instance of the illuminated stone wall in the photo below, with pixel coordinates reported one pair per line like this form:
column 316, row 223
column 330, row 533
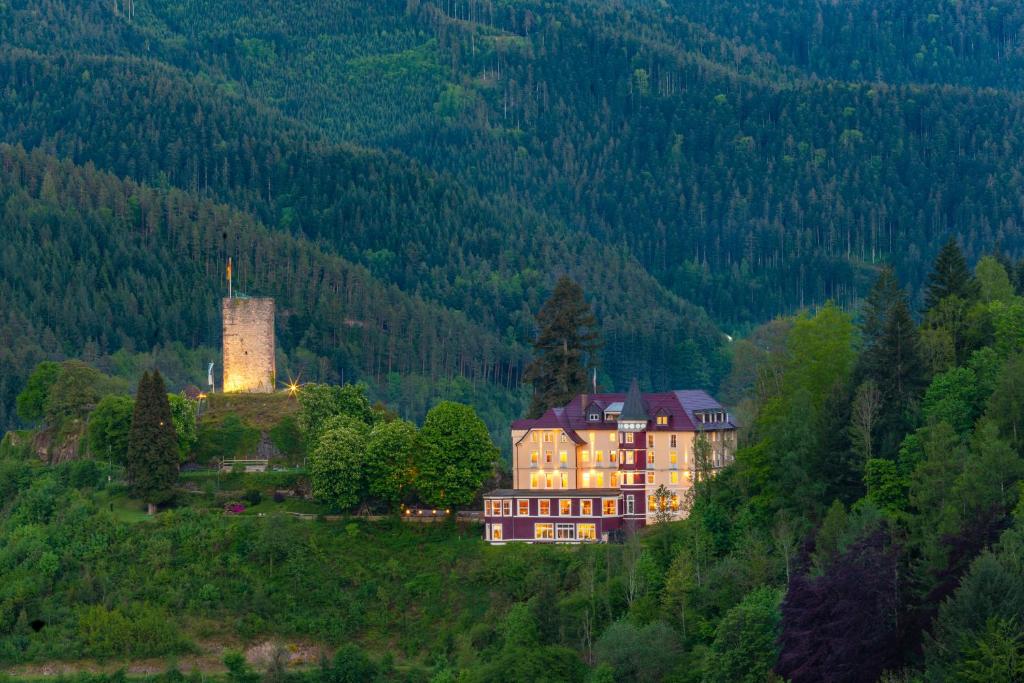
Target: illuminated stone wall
column 248, row 345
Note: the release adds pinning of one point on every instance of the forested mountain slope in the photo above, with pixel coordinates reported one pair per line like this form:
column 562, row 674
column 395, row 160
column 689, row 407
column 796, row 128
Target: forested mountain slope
column 739, row 181
column 433, row 238
column 971, row 42
column 92, row 261
column 470, row 151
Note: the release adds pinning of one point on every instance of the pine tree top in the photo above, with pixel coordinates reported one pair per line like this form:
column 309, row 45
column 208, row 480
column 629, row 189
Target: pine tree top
column 950, row 276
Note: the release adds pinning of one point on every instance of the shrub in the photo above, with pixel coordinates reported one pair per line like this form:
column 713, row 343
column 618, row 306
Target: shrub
column 253, row 497
column 230, row 439
column 278, row 497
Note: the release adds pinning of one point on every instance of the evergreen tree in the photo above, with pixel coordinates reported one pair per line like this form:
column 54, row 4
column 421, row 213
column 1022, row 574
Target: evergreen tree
column 950, row 276
column 152, row 461
column 894, row 364
column 877, row 304
column 565, row 348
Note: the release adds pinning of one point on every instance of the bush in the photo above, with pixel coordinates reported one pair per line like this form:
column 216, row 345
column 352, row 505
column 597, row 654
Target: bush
column 279, row 497
column 232, row 438
column 253, row 496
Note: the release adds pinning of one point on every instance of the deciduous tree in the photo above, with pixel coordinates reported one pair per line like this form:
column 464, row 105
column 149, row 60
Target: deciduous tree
column 454, row 455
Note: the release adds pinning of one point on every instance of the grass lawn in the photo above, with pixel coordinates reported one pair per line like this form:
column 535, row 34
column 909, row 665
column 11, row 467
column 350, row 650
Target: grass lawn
column 125, row 509
column 304, row 506
column 261, row 411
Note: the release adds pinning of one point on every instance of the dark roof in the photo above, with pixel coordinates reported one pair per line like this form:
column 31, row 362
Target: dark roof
column 681, row 406
column 552, row 493
column 633, row 408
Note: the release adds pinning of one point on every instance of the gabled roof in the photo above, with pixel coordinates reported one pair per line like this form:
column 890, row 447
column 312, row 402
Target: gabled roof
column 555, row 418
column 633, row 408
column 681, row 406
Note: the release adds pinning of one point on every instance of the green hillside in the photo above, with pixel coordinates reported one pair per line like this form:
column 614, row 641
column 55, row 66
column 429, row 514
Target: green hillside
column 869, row 529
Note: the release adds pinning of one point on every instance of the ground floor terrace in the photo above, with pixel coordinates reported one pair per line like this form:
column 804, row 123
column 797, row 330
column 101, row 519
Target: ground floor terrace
column 575, row 516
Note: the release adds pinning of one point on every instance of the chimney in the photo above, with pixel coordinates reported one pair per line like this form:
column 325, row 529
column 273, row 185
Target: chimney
column 583, row 403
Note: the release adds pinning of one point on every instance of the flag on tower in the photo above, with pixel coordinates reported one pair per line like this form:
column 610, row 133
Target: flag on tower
column 229, row 277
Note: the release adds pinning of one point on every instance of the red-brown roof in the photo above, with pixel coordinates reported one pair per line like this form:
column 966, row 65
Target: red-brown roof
column 680, row 406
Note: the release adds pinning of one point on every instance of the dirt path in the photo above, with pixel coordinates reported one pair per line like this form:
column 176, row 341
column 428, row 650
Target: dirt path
column 210, row 660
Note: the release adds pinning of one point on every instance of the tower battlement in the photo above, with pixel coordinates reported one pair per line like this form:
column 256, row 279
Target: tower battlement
column 249, row 364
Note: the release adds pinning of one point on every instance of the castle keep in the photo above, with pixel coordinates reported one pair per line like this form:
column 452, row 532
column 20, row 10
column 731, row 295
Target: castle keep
column 248, row 345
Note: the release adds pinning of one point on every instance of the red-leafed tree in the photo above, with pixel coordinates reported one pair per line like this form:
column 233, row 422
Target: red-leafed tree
column 842, row 625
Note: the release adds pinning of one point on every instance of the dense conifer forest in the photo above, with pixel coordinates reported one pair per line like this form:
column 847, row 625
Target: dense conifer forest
column 688, row 169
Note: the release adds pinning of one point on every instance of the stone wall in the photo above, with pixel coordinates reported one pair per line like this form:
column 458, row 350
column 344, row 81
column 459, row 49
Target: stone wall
column 248, row 345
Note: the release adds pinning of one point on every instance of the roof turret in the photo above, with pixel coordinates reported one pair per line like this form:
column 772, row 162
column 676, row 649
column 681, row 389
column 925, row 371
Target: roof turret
column 633, row 408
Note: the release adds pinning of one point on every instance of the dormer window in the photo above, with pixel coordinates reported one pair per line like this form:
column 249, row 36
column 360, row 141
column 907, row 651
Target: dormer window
column 594, row 417
column 662, row 420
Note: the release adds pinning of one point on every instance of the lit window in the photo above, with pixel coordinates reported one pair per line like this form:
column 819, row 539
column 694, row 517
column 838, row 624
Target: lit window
column 506, row 507
column 544, row 531
column 629, row 437
column 586, row 507
column 488, row 509
column 598, row 456
column 565, row 532
column 650, row 457
column 586, row 480
column 547, row 456
column 533, row 437
column 534, row 456
column 609, row 507
column 524, row 508
column 544, row 507
column 563, row 457
column 651, row 503
column 663, row 419
column 612, row 437
column 629, row 505
column 673, row 458
column 586, row 532
column 565, row 507
column 613, row 456
column 629, row 457
column 548, row 480
column 674, row 477
column 585, row 455
column 672, row 441
column 600, row 479
column 549, row 437
column 533, row 480
column 650, row 440
column 650, row 477
column 675, row 503
column 562, row 437
column 495, row 532
column 614, row 477
column 565, row 480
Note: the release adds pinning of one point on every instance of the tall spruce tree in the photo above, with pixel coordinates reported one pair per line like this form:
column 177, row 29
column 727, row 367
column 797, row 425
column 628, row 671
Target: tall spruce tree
column 565, row 348
column 950, row 276
column 895, row 365
column 152, row 462
column 879, row 301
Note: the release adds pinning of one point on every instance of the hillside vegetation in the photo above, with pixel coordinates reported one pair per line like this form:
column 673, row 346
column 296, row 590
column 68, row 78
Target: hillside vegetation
column 870, row 528
column 692, row 171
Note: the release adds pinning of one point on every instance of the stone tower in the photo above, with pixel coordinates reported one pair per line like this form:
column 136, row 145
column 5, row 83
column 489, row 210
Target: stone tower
column 249, row 345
